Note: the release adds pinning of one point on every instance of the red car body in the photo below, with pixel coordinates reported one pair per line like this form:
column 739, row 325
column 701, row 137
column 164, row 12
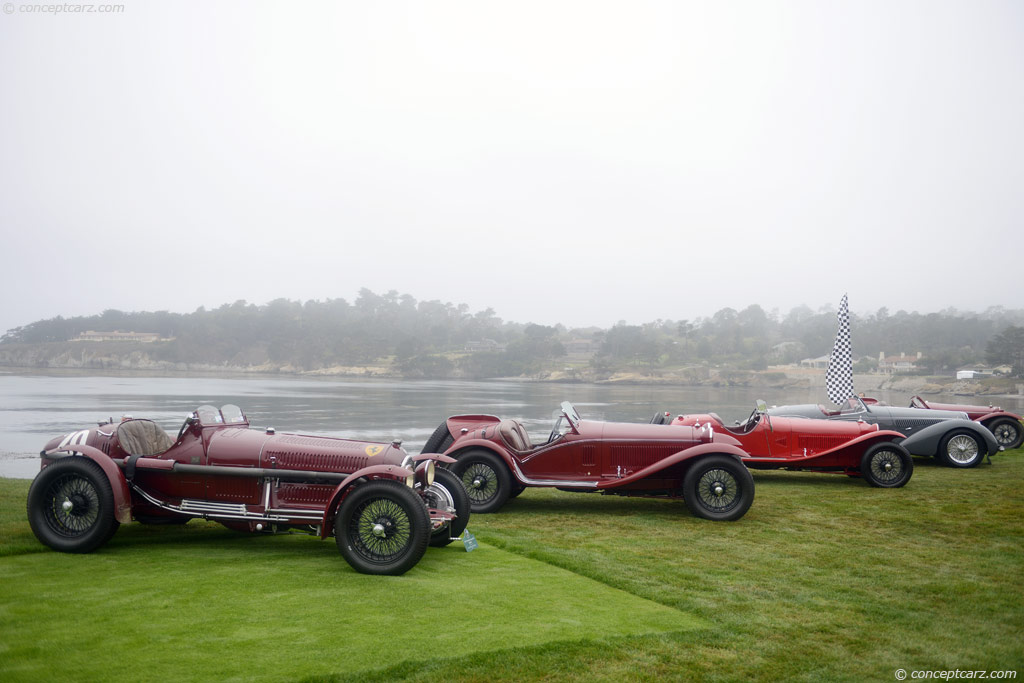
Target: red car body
column 382, row 505
column 496, row 459
column 853, row 448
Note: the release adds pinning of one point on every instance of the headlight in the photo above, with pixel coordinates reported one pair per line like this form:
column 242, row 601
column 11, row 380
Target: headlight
column 425, row 473
column 410, row 481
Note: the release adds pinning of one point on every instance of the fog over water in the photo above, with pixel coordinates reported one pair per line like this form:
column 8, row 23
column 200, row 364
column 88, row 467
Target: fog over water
column 37, row 407
column 574, row 162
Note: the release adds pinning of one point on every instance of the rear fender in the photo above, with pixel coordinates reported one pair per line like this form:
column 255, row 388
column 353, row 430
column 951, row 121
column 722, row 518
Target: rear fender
column 118, row 484
column 686, row 455
column 488, row 445
column 865, row 441
column 342, row 490
column 926, row 442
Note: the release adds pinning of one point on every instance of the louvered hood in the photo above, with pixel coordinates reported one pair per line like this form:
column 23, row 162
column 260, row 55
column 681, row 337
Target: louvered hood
column 326, row 454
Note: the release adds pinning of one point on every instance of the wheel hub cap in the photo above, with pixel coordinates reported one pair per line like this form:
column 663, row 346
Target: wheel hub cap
column 888, row 466
column 67, row 506
column 478, row 483
column 379, row 531
column 719, row 489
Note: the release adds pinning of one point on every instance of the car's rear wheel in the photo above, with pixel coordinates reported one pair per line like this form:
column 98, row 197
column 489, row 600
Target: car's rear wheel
column 486, row 479
column 718, row 487
column 71, row 506
column 887, row 465
column 961, row 449
column 382, row 527
column 440, row 441
column 1007, row 431
column 447, row 490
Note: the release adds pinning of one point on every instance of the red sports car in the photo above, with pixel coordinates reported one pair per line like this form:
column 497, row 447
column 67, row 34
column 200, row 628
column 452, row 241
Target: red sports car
column 382, row 505
column 497, row 459
column 853, row 448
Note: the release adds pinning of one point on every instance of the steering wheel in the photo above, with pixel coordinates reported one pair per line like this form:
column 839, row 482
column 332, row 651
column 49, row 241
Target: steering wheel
column 555, row 431
column 185, row 425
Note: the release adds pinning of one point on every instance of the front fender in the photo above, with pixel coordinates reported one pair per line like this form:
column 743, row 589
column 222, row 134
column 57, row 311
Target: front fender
column 342, row 489
column 926, row 442
column 447, row 459
column 995, row 414
column 118, row 484
column 681, row 456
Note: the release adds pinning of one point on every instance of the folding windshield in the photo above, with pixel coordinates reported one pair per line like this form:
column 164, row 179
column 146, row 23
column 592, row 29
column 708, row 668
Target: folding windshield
column 853, row 406
column 570, row 412
column 229, row 414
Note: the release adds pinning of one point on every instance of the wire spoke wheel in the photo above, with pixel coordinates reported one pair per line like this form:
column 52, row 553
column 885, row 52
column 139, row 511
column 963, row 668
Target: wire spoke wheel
column 480, row 482
column 718, row 490
column 72, row 505
column 1007, row 433
column 962, row 449
column 381, row 529
column 886, row 466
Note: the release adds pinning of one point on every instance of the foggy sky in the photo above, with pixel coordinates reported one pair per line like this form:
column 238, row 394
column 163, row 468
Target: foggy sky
column 574, row 162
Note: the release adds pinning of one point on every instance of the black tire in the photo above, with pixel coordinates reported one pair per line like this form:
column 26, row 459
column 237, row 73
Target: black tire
column 71, row 506
column 718, row 487
column 1007, row 431
column 448, row 486
column 382, row 527
column 440, row 441
column 486, row 479
column 961, row 449
column 887, row 465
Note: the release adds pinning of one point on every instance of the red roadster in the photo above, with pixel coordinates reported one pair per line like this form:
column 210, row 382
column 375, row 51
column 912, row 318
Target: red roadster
column 497, row 459
column 382, row 506
column 853, row 448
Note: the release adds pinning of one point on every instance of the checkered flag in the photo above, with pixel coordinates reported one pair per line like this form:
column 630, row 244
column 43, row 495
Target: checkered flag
column 839, row 378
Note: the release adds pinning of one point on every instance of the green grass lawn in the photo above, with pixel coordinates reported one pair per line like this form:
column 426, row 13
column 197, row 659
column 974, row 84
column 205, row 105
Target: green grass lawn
column 824, row 579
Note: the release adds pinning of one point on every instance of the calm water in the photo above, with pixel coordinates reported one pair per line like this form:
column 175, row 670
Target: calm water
column 34, row 408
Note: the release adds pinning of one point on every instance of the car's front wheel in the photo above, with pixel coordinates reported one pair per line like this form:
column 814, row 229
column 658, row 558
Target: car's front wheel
column 486, row 479
column 447, row 490
column 718, row 487
column 71, row 506
column 887, row 465
column 1007, row 431
column 961, row 449
column 382, row 527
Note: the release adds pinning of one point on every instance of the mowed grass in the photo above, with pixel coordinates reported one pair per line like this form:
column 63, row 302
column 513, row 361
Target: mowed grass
column 825, row 578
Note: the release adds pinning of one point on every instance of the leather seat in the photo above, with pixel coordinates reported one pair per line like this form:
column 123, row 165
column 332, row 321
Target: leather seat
column 515, row 435
column 143, row 437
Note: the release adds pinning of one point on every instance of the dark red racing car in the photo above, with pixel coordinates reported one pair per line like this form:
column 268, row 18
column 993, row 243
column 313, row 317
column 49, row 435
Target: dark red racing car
column 382, row 505
column 497, row 459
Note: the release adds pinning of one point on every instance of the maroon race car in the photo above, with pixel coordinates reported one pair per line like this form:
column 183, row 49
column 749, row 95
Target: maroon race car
column 1004, row 425
column 382, row 505
column 853, row 448
column 497, row 459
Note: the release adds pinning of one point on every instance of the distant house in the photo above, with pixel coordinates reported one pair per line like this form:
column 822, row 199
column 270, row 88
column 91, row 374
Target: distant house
column 581, row 347
column 900, row 363
column 819, row 362
column 484, row 345
column 117, row 336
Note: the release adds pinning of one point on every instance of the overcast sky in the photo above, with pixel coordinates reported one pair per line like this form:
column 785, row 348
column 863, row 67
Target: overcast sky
column 574, row 162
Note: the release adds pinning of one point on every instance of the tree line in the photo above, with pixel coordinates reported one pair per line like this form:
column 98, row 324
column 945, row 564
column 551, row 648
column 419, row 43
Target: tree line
column 437, row 339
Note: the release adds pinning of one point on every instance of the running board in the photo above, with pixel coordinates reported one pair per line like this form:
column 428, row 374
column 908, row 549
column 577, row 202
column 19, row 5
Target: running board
column 209, row 509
